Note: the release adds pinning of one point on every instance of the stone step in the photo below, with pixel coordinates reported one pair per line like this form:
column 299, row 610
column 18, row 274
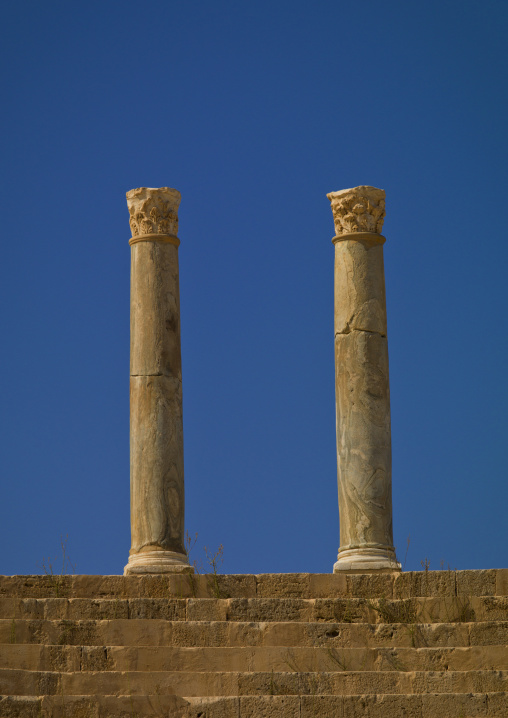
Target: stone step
column 159, row 632
column 454, row 609
column 220, row 683
column 492, row 582
column 446, row 705
column 263, row 658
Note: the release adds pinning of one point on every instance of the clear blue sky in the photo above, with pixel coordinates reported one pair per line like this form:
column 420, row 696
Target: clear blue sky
column 254, row 111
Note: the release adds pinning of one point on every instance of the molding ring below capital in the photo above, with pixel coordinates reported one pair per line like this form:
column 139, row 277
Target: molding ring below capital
column 373, row 237
column 168, row 238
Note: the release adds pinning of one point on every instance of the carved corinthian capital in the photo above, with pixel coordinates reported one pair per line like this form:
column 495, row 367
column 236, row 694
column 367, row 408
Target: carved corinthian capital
column 153, row 211
column 360, row 209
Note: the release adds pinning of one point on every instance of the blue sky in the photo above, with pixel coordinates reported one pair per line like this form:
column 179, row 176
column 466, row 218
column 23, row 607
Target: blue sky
column 254, row 111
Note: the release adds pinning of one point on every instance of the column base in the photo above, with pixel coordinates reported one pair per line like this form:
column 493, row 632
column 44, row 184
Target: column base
column 366, row 559
column 147, row 562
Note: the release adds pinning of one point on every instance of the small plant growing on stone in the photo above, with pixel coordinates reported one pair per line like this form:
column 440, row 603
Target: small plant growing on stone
column 214, row 560
column 190, row 542
column 426, row 565
column 416, row 635
column 272, row 688
column 459, row 610
column 393, row 660
column 405, row 611
column 49, row 566
column 289, row 660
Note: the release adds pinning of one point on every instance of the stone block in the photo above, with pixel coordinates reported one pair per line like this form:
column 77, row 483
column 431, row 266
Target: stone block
column 374, row 682
column 155, row 586
column 321, row 707
column 61, row 658
column 343, row 610
column 103, row 587
column 488, row 633
column 9, row 607
column 283, row 585
column 487, row 681
column 208, row 609
column 211, row 708
column 424, row 583
column 96, row 609
column 16, row 682
column 225, row 586
column 269, row 609
column 20, row 707
column 75, row 633
column 249, row 634
column 95, row 658
column 439, row 634
column 497, row 704
column 21, row 657
column 269, row 707
column 112, row 706
column 502, row 582
column 328, row 585
column 370, row 585
column 171, row 609
column 490, row 608
column 51, row 609
column 186, row 585
column 37, row 586
column 475, row 583
column 383, row 706
column 201, row 633
column 318, row 634
column 454, row 705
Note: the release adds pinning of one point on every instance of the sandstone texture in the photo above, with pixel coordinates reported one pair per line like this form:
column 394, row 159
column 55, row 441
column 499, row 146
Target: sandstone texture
column 386, row 645
column 362, row 386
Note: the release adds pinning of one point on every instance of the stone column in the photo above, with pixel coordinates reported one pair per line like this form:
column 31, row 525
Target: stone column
column 156, row 430
column 364, row 459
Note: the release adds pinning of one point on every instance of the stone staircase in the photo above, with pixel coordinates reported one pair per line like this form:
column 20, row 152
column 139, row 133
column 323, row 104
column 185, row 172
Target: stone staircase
column 409, row 645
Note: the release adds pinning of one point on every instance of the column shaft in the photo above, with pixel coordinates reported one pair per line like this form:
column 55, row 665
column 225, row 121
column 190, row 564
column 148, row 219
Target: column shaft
column 362, row 384
column 156, row 428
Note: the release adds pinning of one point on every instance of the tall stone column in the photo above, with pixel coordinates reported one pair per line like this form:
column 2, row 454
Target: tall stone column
column 364, row 458
column 156, row 429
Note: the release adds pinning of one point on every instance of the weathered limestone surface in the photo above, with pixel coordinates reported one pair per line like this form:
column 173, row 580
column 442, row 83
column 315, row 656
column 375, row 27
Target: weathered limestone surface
column 156, row 443
column 155, row 310
column 362, row 383
column 383, row 645
column 157, row 463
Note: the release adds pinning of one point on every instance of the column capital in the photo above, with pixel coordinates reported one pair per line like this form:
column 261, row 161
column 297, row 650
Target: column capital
column 359, row 209
column 153, row 211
